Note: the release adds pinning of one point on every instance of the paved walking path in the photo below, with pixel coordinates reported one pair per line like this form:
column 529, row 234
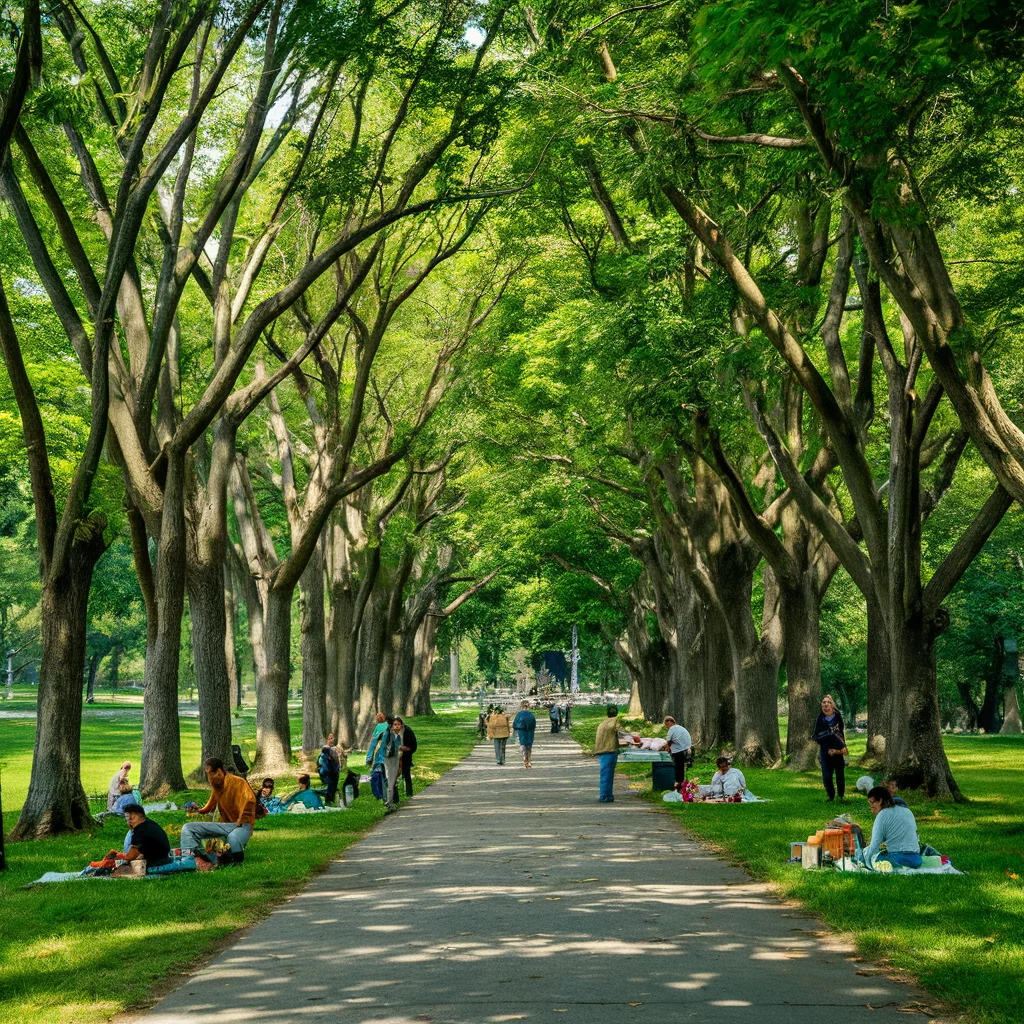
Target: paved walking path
column 501, row 894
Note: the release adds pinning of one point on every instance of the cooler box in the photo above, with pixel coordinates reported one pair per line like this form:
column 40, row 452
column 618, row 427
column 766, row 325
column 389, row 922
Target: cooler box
column 663, row 776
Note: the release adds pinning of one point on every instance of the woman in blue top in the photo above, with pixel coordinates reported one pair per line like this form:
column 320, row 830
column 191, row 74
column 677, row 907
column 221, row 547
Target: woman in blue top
column 895, row 828
column 830, row 735
column 525, row 723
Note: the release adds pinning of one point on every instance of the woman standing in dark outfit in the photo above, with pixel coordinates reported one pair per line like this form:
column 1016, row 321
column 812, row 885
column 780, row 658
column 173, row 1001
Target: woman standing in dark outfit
column 830, row 735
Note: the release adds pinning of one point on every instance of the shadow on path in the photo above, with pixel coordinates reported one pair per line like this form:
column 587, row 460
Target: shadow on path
column 502, row 894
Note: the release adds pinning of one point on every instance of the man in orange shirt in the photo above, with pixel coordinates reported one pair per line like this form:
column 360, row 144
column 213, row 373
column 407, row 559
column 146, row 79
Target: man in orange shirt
column 232, row 796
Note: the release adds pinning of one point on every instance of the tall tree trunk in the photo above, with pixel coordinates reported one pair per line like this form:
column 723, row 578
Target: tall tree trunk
column 113, row 670
column 315, row 723
column 205, row 580
column 454, row 674
column 800, row 610
column 230, row 631
column 1011, row 714
column 90, row 685
column 56, row 801
column 371, row 649
column 273, row 729
column 914, row 752
column 161, row 740
column 879, row 671
column 424, row 656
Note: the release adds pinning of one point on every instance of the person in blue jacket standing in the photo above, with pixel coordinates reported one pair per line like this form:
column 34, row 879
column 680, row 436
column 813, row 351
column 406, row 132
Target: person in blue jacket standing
column 525, row 724
column 830, row 735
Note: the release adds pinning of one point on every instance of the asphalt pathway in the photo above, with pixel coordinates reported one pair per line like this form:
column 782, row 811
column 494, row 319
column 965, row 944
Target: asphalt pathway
column 502, row 894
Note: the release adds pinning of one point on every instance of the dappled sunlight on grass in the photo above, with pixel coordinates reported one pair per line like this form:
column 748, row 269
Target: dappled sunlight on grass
column 962, row 936
column 79, row 952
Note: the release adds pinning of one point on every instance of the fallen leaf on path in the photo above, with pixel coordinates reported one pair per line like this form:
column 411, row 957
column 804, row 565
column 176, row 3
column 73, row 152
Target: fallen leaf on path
column 553, row 899
column 636, row 1004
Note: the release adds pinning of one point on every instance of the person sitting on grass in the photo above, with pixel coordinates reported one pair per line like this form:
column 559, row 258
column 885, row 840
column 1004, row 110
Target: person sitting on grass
column 895, row 829
column 892, row 785
column 726, row 782
column 304, row 795
column 147, row 839
column 236, row 802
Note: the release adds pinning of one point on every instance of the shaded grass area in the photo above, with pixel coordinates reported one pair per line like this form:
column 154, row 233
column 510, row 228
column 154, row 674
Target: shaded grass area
column 961, row 937
column 78, row 952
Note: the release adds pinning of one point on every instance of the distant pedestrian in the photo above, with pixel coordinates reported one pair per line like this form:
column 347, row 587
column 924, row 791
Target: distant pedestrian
column 406, row 748
column 499, row 728
column 556, row 718
column 525, row 724
column 568, row 714
column 391, row 744
column 680, row 746
column 114, row 789
column 481, row 725
column 375, row 758
column 830, row 735
column 606, row 747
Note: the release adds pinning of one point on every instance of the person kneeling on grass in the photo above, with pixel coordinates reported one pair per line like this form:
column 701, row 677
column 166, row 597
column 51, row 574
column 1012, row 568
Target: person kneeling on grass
column 895, row 828
column 304, row 795
column 236, row 802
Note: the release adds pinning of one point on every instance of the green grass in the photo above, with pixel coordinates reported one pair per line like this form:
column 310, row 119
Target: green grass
column 961, row 937
column 79, row 952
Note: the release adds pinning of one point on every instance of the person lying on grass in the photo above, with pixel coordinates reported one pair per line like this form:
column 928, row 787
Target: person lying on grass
column 304, row 795
column 725, row 783
column 894, row 829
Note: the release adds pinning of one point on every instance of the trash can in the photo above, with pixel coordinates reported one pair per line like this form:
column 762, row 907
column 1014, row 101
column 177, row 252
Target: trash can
column 663, row 775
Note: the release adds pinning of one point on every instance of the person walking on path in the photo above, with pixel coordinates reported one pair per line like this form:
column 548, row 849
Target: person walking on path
column 556, row 718
column 830, row 735
column 232, row 796
column 375, row 757
column 606, row 747
column 679, row 746
column 525, row 724
column 499, row 728
column 568, row 714
column 406, row 748
column 391, row 744
column 114, row 789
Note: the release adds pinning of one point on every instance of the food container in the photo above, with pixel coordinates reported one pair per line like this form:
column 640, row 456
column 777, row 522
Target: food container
column 796, row 851
column 811, row 856
column 832, row 843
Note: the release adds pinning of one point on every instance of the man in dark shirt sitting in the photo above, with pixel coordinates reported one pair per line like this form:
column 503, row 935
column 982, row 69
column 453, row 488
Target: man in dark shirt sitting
column 148, row 841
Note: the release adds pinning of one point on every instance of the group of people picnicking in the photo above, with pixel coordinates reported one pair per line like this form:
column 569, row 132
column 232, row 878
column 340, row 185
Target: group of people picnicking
column 238, row 807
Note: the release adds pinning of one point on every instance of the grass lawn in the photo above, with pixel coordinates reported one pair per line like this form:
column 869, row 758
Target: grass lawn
column 961, row 937
column 78, row 952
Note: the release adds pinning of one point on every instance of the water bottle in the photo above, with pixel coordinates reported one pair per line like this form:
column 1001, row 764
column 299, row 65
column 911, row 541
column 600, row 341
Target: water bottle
column 350, row 794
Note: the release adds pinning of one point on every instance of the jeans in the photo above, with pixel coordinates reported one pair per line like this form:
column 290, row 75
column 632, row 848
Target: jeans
column 607, row 762
column 194, row 832
column 901, row 858
column 830, row 765
column 499, row 749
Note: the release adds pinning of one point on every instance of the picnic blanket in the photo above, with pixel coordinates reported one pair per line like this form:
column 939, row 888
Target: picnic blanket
column 673, row 797
column 930, row 865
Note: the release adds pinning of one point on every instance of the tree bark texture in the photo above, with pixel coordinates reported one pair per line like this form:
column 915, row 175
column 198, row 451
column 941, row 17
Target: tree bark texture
column 161, row 739
column 56, row 801
column 424, row 656
column 273, row 729
column 205, row 580
column 800, row 610
column 314, row 654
